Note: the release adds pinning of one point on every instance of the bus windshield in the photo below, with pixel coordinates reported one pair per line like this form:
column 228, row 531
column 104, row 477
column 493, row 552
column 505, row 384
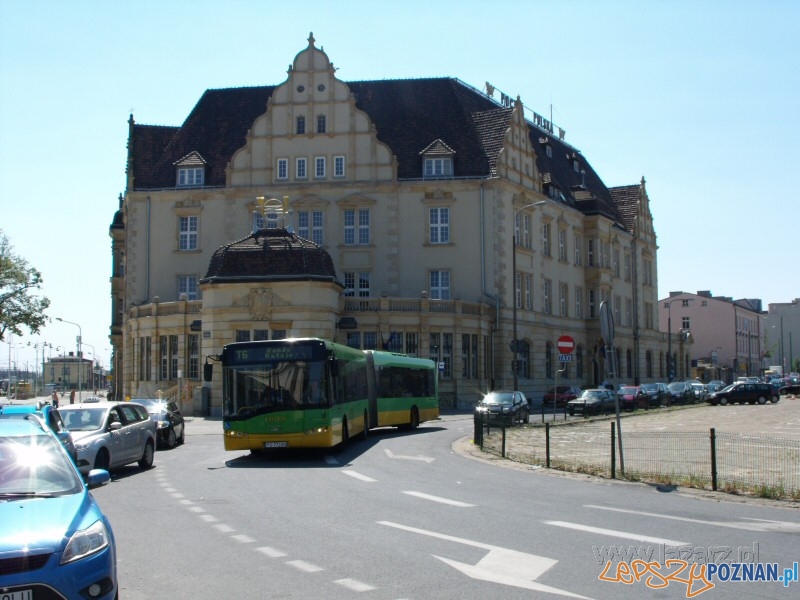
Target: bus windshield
column 274, row 386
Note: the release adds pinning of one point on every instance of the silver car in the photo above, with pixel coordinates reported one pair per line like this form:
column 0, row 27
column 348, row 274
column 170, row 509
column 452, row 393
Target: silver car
column 111, row 434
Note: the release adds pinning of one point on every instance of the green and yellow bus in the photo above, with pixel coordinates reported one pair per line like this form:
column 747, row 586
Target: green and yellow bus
column 314, row 393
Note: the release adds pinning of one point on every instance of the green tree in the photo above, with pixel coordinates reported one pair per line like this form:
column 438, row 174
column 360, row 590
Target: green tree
column 19, row 283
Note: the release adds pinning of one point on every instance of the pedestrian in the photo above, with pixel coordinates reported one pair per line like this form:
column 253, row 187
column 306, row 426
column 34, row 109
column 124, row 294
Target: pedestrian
column 72, row 397
column 54, row 401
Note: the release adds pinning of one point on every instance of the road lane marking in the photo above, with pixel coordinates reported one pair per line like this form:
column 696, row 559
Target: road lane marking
column 354, row 585
column 359, row 476
column 439, row 499
column 223, row 528
column 613, row 532
column 500, row 565
column 244, row 539
column 391, row 454
column 758, row 524
column 304, row 566
column 271, row 552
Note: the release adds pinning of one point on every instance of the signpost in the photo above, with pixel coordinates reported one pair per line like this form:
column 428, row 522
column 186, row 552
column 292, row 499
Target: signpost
column 607, row 331
column 565, row 345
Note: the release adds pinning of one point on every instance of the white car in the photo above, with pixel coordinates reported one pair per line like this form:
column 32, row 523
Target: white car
column 111, row 434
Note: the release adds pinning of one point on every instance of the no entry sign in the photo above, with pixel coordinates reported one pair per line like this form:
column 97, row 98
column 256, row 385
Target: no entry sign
column 565, row 344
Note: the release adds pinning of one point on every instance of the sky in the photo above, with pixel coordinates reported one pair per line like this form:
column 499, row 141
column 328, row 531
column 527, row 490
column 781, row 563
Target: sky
column 698, row 97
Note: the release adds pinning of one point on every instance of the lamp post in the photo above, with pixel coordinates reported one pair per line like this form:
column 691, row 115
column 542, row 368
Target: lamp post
column 78, row 341
column 515, row 342
column 668, row 304
column 94, row 358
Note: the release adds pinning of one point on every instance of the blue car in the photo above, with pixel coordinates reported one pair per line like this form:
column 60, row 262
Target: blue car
column 50, row 418
column 55, row 542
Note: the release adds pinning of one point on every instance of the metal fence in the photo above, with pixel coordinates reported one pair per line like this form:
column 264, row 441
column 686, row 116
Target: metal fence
column 733, row 462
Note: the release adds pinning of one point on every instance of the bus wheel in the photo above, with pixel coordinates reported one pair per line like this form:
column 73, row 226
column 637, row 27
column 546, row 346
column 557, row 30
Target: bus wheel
column 414, row 418
column 365, row 433
column 345, row 433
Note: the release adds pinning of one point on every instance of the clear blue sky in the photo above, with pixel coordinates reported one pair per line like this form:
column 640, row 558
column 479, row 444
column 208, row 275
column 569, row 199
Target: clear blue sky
column 699, row 97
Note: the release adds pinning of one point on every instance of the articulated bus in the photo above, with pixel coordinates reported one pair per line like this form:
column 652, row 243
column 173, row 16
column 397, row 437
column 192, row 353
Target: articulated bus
column 314, row 393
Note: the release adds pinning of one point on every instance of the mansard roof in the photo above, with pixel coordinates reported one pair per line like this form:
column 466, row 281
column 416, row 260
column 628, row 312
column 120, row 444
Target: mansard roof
column 270, row 255
column 408, row 114
column 626, row 200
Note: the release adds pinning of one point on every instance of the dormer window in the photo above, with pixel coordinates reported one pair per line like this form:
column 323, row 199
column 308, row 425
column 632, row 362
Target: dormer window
column 191, row 170
column 190, row 176
column 576, row 166
column 549, row 151
column 437, row 160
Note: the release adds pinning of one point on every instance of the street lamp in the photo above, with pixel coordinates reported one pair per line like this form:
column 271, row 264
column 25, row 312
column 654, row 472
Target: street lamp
column 515, row 342
column 78, row 340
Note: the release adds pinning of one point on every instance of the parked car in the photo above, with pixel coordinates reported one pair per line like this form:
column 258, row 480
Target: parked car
column 593, row 401
column 55, row 541
column 713, row 386
column 744, row 392
column 700, row 392
column 171, row 427
column 499, row 404
column 561, row 395
column 657, row 393
column 681, row 393
column 633, row 396
column 790, row 389
column 49, row 416
column 111, row 434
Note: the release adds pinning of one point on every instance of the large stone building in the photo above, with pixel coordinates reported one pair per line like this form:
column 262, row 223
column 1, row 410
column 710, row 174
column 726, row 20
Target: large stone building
column 418, row 190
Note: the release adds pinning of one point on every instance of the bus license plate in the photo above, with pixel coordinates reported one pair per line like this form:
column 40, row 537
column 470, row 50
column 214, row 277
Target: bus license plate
column 275, row 444
column 19, row 595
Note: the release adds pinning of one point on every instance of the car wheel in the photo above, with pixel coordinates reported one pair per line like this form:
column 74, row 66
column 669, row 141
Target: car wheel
column 762, row 399
column 775, row 399
column 101, row 461
column 147, row 457
column 171, row 439
column 723, row 401
column 182, row 437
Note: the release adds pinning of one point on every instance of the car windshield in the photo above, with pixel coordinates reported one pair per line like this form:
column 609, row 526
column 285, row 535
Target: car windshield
column 628, row 390
column 35, row 466
column 676, row 387
column 650, row 387
column 497, row 399
column 590, row 394
column 84, row 418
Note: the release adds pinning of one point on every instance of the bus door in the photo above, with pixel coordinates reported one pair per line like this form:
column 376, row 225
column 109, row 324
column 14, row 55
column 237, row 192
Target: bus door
column 372, row 391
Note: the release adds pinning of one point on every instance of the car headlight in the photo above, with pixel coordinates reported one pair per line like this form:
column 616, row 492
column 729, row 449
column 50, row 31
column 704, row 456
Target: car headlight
column 162, row 424
column 85, row 542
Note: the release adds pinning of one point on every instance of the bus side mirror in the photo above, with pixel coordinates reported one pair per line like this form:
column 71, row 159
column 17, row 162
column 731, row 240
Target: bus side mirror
column 208, row 371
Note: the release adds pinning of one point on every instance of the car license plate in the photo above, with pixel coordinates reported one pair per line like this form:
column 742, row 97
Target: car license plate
column 19, row 595
column 275, row 444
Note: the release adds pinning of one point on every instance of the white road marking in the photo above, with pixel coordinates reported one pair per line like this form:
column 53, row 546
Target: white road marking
column 304, row 566
column 620, row 534
column 359, row 476
column 439, row 499
column 758, row 525
column 500, row 565
column 354, row 585
column 271, row 552
column 197, row 509
column 209, row 518
column 244, row 539
column 391, row 454
column 223, row 528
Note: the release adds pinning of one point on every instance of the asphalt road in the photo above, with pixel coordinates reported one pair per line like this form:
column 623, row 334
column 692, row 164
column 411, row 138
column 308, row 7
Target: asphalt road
column 405, row 515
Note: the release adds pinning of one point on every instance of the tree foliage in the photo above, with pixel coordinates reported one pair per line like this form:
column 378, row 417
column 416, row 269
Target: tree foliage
column 20, row 304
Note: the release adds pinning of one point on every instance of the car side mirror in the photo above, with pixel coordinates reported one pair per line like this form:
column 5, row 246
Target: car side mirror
column 115, row 426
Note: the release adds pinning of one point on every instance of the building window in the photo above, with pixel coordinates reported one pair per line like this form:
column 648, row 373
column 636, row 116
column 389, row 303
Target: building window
column 242, row 335
column 278, row 334
column 187, row 284
column 648, row 315
column 617, row 309
column 301, row 125
column 441, row 348
column 412, row 344
column 628, row 312
column 321, row 123
column 686, row 323
column 579, row 362
column 356, row 283
column 546, row 239
column 338, row 166
column 193, row 343
column 439, row 225
column 356, row 226
column 547, row 297
column 440, row 285
column 578, row 302
column 528, row 292
column 562, row 245
column 648, row 364
column 469, row 356
column 370, row 341
column 627, row 266
column 648, row 272
column 301, row 171
column 592, row 314
column 309, row 225
column 190, row 177
column 438, row 167
column 163, row 353
column 615, row 262
column 578, row 253
column 283, row 168
column 590, row 252
column 518, row 289
column 353, row 339
column 563, row 298
column 145, row 369
column 319, row 167
column 548, row 149
column 259, row 335
column 188, row 233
